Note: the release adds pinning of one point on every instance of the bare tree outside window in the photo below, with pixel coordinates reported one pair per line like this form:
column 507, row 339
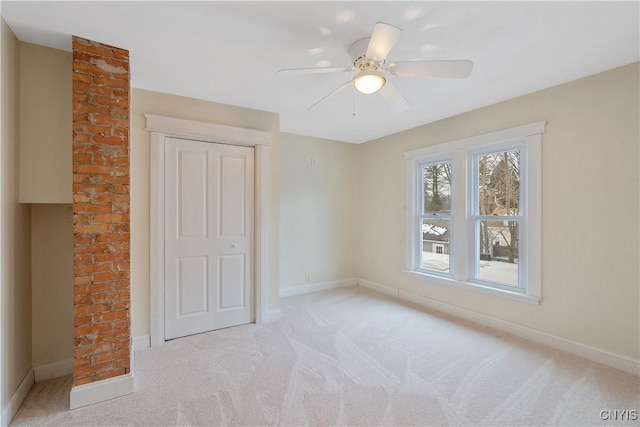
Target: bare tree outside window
column 437, row 188
column 499, row 196
column 436, row 217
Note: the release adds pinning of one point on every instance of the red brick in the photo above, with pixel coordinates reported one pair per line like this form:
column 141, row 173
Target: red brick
column 109, row 82
column 87, row 309
column 121, row 305
column 112, row 237
column 111, row 217
column 99, row 90
column 114, row 198
column 82, row 320
column 91, row 207
column 126, row 266
column 85, row 46
column 109, row 140
column 123, row 284
column 111, row 256
column 79, row 97
column 91, row 369
column 110, row 355
column 81, row 280
column 93, row 189
column 110, row 275
column 109, row 317
column 86, row 68
column 124, row 363
column 80, row 78
column 120, row 54
column 93, row 249
column 96, row 288
column 91, row 268
column 81, row 381
column 81, row 361
column 86, row 168
column 81, row 137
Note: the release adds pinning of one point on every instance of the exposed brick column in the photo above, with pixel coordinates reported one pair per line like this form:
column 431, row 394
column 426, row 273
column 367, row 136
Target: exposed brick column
column 100, row 211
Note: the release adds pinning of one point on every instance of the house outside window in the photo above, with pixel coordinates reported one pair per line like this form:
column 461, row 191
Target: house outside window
column 475, row 213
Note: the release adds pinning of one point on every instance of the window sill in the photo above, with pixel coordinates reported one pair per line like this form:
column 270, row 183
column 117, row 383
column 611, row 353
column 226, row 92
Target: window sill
column 530, row 299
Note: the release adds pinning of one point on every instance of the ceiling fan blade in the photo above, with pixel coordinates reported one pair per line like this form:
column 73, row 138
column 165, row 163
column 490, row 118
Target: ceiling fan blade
column 383, row 37
column 330, row 94
column 448, row 69
column 394, row 98
column 317, row 70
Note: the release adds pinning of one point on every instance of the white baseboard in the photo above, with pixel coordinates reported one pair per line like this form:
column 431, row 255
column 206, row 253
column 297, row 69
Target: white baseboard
column 17, row 398
column 99, row 391
column 141, row 341
column 316, row 287
column 53, row 370
column 591, row 353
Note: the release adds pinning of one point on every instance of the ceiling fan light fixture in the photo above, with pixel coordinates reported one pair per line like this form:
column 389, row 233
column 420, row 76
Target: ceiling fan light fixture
column 368, row 82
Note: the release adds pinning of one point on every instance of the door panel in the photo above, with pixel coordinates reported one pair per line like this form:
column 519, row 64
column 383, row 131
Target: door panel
column 231, row 270
column 208, row 275
column 191, row 283
column 232, row 197
column 192, row 193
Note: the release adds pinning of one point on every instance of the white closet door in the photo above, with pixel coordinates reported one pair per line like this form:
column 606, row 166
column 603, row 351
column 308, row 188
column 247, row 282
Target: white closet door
column 209, row 242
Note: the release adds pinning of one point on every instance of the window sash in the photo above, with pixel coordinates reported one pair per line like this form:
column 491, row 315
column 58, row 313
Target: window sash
column 521, row 285
column 418, row 261
column 422, row 184
column 473, row 158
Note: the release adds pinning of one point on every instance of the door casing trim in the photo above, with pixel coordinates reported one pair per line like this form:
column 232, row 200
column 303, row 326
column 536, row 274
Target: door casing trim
column 161, row 127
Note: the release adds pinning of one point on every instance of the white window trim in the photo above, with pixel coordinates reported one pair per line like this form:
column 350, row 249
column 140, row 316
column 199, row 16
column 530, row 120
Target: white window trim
column 459, row 152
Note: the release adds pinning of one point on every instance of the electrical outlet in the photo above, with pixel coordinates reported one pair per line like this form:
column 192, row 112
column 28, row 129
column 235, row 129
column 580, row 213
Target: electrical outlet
column 307, row 277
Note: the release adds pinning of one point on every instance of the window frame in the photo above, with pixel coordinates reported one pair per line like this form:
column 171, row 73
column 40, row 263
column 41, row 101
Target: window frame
column 462, row 154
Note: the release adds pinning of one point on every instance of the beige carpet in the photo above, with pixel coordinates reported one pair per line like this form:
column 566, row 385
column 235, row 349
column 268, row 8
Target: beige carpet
column 351, row 357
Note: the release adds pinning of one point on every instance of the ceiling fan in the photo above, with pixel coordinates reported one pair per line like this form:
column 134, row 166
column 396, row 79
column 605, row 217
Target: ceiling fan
column 369, row 56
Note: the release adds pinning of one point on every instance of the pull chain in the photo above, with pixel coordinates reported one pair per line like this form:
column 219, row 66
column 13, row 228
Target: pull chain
column 354, row 103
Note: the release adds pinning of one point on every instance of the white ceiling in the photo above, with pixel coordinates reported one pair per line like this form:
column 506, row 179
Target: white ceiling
column 229, row 52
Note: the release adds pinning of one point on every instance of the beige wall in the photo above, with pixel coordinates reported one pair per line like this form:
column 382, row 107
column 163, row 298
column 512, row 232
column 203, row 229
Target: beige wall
column 590, row 246
column 45, row 151
column 318, row 207
column 51, row 283
column 143, row 102
column 45, row 124
column 15, row 313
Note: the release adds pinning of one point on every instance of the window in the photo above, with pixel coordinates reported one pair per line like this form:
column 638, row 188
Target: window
column 434, row 222
column 475, row 219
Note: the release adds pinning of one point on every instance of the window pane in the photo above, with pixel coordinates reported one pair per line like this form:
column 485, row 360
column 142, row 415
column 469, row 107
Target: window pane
column 499, row 183
column 437, row 188
column 435, row 244
column 499, row 252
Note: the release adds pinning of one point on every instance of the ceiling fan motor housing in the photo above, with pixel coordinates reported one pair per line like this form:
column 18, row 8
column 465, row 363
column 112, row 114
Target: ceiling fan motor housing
column 357, row 52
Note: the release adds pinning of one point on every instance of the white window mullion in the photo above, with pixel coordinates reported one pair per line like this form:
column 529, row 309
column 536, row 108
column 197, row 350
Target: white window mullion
column 460, row 216
column 411, row 222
